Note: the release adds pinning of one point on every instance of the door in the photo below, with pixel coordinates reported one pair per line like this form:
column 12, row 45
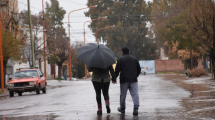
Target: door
column 53, row 70
column 42, row 79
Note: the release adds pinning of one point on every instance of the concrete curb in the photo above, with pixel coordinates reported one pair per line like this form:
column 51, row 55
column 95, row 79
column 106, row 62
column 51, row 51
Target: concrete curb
column 4, row 94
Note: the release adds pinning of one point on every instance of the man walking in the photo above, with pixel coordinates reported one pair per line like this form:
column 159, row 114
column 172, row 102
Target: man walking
column 129, row 68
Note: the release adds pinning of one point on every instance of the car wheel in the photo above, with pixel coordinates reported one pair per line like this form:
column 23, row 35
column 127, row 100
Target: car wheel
column 38, row 90
column 20, row 93
column 44, row 89
column 144, row 73
column 11, row 93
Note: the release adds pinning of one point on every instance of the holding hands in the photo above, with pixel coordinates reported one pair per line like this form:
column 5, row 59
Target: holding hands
column 114, row 80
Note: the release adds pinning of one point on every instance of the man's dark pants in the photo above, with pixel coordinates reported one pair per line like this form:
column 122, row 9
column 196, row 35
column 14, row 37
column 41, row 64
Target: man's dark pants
column 133, row 88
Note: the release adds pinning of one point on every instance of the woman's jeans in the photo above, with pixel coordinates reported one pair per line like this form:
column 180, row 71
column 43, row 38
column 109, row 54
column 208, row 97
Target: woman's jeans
column 101, row 86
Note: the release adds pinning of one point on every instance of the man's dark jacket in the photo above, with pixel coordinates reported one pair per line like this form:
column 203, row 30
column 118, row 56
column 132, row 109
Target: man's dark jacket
column 128, row 67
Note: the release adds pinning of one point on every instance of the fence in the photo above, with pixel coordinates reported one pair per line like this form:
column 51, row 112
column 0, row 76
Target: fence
column 173, row 65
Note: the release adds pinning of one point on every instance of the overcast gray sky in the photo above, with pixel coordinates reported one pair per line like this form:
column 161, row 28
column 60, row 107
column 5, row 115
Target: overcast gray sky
column 77, row 18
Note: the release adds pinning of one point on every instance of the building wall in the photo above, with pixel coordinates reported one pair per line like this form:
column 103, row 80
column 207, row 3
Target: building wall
column 175, row 65
column 9, row 11
column 13, row 4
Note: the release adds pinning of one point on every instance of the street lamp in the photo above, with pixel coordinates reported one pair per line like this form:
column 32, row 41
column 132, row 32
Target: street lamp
column 70, row 73
column 84, row 40
column 102, row 29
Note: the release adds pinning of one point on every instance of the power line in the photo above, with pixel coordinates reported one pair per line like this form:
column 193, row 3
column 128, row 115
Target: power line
column 61, row 0
column 68, row 1
column 21, row 7
column 138, row 15
column 125, row 21
column 30, row 6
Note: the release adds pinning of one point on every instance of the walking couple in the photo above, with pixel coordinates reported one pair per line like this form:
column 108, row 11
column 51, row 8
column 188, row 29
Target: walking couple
column 129, row 69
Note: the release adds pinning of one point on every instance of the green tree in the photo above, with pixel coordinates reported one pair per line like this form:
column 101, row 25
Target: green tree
column 130, row 17
column 54, row 15
column 177, row 32
column 78, row 67
column 11, row 37
column 161, row 21
column 56, row 36
column 202, row 23
column 11, row 47
column 58, row 48
column 189, row 24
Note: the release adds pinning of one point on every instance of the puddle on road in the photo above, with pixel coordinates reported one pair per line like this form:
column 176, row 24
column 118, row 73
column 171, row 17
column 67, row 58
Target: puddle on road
column 33, row 117
column 201, row 102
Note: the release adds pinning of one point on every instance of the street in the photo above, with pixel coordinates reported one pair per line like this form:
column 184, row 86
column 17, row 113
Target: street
column 161, row 97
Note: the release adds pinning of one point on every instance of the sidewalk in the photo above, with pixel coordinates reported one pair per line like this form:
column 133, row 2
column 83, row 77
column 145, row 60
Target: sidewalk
column 6, row 93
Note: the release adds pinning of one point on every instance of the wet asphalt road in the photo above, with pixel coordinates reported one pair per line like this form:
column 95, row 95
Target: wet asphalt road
column 160, row 98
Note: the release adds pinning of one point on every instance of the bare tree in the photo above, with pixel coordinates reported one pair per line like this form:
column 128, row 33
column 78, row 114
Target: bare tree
column 77, row 66
column 37, row 33
column 58, row 47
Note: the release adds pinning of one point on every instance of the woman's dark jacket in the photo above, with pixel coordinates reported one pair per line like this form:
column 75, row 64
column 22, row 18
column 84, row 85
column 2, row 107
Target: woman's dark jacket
column 99, row 73
column 128, row 67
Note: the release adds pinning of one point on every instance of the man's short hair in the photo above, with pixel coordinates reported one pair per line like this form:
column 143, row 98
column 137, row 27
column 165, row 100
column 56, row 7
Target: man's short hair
column 125, row 50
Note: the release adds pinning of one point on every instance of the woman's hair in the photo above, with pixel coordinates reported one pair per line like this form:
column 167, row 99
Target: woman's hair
column 125, row 50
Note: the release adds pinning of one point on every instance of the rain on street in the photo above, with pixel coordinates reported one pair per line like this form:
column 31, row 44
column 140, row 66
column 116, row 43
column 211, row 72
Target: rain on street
column 161, row 97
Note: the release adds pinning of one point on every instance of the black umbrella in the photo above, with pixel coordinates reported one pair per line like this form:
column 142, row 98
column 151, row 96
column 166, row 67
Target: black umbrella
column 96, row 55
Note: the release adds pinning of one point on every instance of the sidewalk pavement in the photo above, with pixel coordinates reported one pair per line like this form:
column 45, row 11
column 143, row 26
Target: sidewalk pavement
column 6, row 93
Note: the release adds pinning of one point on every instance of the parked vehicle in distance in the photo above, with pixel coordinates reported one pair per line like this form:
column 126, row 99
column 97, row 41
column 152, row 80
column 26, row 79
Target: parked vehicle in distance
column 27, row 80
column 143, row 71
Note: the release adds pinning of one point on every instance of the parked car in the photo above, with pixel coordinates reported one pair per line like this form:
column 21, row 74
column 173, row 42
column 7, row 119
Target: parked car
column 143, row 71
column 27, row 80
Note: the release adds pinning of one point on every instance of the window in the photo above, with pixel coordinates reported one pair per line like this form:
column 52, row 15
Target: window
column 25, row 74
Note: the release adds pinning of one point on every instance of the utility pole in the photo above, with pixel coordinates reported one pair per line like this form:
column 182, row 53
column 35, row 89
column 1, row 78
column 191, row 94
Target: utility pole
column 1, row 57
column 32, row 42
column 191, row 59
column 44, row 39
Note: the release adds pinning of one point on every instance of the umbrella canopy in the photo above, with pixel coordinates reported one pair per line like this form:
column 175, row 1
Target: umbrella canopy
column 96, row 55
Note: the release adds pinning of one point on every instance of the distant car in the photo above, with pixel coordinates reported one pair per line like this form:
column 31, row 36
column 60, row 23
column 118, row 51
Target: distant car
column 143, row 71
column 27, row 80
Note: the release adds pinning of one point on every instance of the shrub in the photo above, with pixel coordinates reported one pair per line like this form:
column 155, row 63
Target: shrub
column 197, row 72
column 59, row 79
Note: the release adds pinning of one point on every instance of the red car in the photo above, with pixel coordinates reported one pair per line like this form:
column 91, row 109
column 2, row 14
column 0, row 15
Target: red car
column 27, row 80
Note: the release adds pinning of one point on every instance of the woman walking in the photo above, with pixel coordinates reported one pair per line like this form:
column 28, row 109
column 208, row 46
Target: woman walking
column 101, row 82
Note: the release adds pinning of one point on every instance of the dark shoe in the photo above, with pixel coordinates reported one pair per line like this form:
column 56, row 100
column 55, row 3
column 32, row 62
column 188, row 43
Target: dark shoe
column 135, row 112
column 99, row 112
column 122, row 110
column 107, row 106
